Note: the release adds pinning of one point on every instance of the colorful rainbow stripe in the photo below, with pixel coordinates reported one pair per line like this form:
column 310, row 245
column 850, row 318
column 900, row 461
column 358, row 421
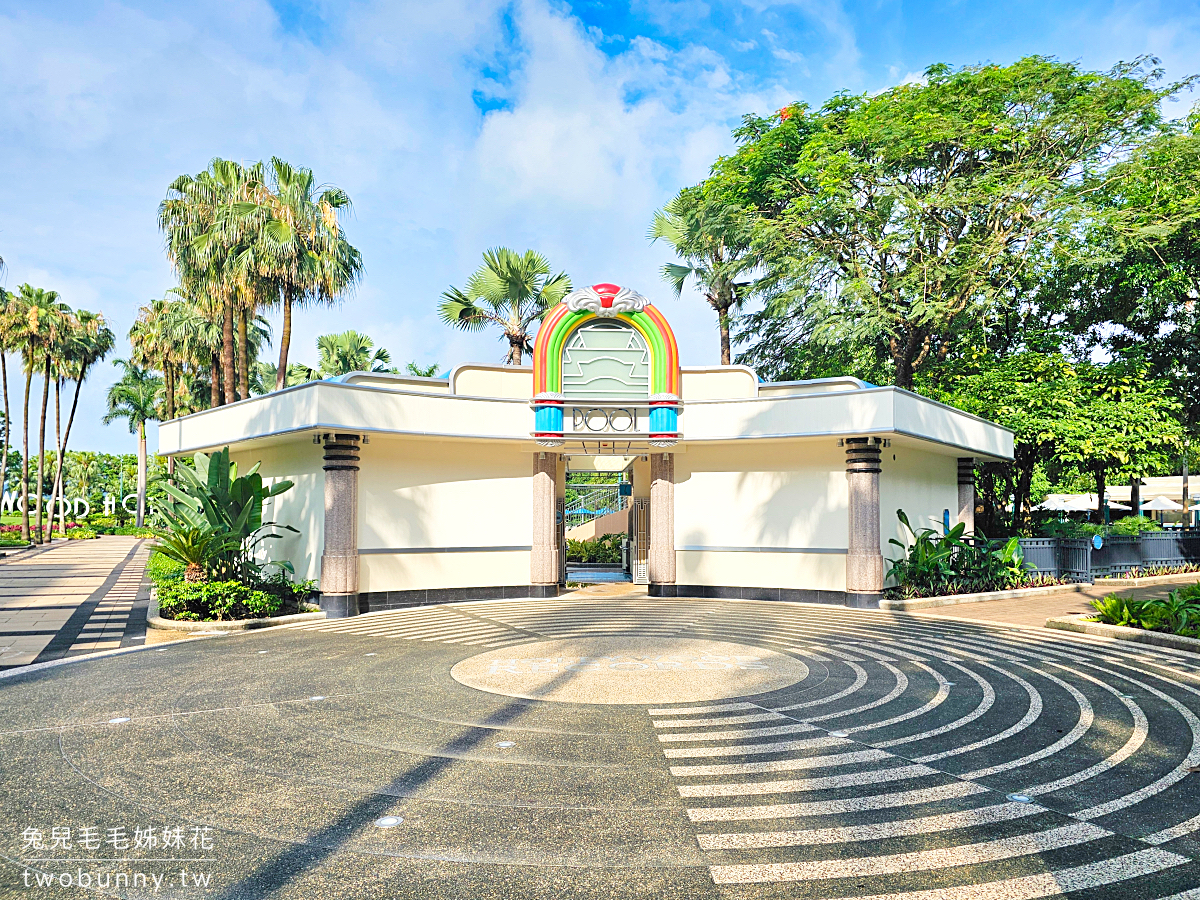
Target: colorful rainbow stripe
column 560, row 323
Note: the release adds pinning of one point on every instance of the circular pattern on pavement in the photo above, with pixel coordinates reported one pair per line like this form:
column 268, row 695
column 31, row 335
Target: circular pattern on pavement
column 621, row 670
column 911, row 759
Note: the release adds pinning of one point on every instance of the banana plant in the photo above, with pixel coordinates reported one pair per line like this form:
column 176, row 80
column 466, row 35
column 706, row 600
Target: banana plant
column 211, row 496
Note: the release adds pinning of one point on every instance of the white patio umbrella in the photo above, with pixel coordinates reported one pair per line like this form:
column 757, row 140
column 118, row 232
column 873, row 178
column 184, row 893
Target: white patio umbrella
column 1162, row 504
column 1055, row 504
column 1113, row 504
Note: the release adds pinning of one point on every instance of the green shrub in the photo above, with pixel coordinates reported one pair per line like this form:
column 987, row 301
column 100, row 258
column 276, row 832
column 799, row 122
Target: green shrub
column 134, row 531
column 1177, row 613
column 208, row 601
column 162, row 570
column 81, row 534
column 103, row 524
column 1134, row 525
column 950, row 563
column 290, row 593
column 605, row 549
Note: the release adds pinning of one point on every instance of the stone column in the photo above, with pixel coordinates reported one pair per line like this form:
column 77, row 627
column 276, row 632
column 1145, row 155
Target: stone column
column 966, row 492
column 864, row 562
column 662, row 519
column 543, row 559
column 339, row 558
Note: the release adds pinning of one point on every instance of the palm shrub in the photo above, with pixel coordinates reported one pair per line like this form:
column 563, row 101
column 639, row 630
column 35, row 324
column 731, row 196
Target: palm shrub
column 196, row 548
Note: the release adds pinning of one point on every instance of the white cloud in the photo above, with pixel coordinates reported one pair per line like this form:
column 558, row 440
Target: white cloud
column 105, row 109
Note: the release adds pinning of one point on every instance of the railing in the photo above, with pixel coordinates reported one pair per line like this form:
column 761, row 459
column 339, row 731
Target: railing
column 1076, row 559
column 587, row 502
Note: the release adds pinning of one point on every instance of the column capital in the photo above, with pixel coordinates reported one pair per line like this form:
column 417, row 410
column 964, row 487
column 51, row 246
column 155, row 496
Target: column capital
column 966, row 470
column 863, row 454
column 341, row 452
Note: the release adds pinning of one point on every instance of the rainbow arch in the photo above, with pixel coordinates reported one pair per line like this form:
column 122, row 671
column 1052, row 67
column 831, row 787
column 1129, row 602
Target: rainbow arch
column 559, row 324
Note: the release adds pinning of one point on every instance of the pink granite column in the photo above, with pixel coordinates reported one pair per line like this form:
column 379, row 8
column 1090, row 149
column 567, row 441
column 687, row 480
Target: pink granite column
column 339, row 558
column 661, row 562
column 966, row 492
column 543, row 558
column 864, row 561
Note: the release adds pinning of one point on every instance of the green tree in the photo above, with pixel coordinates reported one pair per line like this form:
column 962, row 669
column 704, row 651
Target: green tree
column 1127, row 423
column 1034, row 395
column 510, row 291
column 350, row 351
column 910, row 214
column 714, row 239
column 135, row 398
column 1131, row 288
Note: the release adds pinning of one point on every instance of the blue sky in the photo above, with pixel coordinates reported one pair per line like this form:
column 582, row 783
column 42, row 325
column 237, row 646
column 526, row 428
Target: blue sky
column 454, row 126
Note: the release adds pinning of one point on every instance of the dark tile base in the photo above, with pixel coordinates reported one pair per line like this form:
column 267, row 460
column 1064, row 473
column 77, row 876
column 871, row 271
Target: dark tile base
column 373, row 601
column 339, row 606
column 863, row 601
column 722, row 592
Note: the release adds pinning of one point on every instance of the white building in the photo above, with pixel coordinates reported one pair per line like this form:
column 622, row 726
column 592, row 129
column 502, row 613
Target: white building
column 417, row 490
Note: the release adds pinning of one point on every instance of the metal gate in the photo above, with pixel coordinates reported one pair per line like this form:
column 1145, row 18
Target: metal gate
column 560, row 538
column 639, row 533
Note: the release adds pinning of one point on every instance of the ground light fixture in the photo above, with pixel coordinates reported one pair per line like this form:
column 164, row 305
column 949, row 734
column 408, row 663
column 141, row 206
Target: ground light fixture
column 839, row 734
column 388, row 821
column 506, row 744
column 119, row 720
column 1019, row 798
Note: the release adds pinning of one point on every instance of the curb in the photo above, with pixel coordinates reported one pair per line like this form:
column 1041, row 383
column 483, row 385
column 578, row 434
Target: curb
column 954, row 599
column 1178, row 578
column 154, row 620
column 1081, row 624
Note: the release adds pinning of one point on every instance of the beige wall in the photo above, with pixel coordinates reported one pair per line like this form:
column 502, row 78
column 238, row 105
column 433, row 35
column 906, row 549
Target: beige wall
column 782, row 496
column 302, row 507
column 432, row 493
column 482, row 380
column 613, row 523
column 417, row 493
column 718, row 383
column 920, row 483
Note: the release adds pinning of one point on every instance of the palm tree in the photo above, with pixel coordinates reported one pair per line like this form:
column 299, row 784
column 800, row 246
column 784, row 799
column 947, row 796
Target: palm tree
column 82, row 470
column 189, row 324
column 8, row 328
column 212, row 226
column 714, row 241
column 135, row 398
column 88, row 343
column 36, row 324
column 297, row 373
column 307, row 255
column 341, row 354
column 510, row 291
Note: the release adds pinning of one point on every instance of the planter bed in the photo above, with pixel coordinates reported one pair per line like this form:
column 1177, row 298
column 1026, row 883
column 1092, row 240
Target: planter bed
column 1081, row 624
column 154, row 620
column 1177, row 578
column 953, row 599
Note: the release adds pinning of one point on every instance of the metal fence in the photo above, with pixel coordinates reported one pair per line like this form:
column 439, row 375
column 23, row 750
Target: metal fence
column 1077, row 560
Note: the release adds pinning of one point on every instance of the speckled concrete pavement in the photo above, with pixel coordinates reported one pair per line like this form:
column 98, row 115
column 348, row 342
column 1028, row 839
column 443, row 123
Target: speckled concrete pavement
column 896, row 757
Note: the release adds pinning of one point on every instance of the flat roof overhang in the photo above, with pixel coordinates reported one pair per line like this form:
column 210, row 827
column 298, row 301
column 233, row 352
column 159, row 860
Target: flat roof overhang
column 305, row 411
